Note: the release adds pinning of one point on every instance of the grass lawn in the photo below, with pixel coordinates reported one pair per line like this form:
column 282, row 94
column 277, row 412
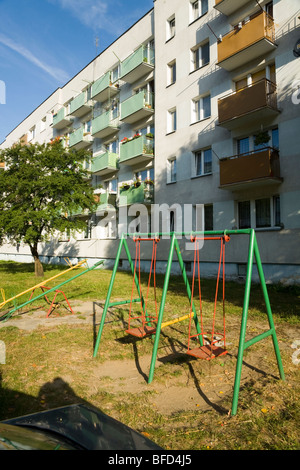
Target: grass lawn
column 187, row 406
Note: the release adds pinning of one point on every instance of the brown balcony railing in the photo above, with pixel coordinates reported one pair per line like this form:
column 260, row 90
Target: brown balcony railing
column 247, row 41
column 252, row 98
column 251, row 167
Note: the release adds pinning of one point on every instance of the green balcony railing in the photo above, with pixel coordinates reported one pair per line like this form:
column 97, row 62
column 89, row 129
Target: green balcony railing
column 80, row 105
column 104, row 163
column 135, row 148
column 137, row 106
column 104, row 125
column 60, row 119
column 107, row 198
column 103, row 88
column 142, row 194
column 137, row 64
column 79, row 138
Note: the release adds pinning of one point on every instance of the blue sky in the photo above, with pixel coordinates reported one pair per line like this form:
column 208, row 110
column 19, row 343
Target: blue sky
column 44, row 43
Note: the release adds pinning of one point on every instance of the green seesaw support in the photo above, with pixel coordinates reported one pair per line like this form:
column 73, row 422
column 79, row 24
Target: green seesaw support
column 8, row 315
column 253, row 252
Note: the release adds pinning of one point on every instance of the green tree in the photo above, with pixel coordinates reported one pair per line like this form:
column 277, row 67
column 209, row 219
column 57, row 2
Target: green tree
column 41, row 187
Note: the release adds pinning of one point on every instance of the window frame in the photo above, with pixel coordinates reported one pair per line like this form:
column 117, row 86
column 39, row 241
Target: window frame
column 171, row 27
column 171, row 170
column 171, row 73
column 200, row 9
column 172, row 120
column 200, row 154
column 198, row 109
column 197, row 62
column 274, row 213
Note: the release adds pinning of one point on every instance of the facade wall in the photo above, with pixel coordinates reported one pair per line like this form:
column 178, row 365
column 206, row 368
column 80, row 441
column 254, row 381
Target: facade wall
column 188, row 75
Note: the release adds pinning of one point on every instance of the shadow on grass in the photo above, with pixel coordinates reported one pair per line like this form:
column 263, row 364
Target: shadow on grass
column 51, row 395
column 14, row 267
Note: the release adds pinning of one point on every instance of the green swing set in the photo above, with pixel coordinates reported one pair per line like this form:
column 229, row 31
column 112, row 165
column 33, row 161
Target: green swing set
column 151, row 325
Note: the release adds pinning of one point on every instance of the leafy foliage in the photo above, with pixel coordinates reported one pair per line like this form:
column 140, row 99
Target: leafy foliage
column 41, row 187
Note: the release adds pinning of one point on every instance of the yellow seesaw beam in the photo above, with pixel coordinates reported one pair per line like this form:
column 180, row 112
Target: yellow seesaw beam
column 176, row 320
column 39, row 285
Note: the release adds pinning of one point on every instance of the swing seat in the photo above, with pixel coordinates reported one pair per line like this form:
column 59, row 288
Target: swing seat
column 207, row 352
column 141, row 331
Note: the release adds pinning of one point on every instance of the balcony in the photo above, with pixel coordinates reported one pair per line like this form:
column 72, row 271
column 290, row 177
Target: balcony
column 248, row 170
column 107, row 200
column 255, row 102
column 137, row 150
column 104, row 164
column 80, row 105
column 103, row 89
column 227, row 7
column 251, row 41
column 137, row 107
column 103, row 126
column 80, row 139
column 137, row 65
column 61, row 119
column 142, row 194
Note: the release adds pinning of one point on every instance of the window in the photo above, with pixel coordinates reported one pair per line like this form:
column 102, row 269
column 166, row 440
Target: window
column 244, row 214
column 171, row 120
column 263, row 213
column 31, row 134
column 87, row 126
column 202, row 162
column 249, row 144
column 113, row 146
column 171, row 27
column 200, row 56
column 198, row 8
column 259, row 213
column 201, row 109
column 208, row 217
column 114, row 74
column 114, row 109
column 147, row 174
column 243, row 146
column 43, row 124
column 171, row 78
column 269, row 9
column 275, row 138
column 113, row 186
column 171, row 171
column 276, row 209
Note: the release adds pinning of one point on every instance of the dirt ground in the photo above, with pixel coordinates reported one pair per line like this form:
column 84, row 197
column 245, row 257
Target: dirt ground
column 201, row 385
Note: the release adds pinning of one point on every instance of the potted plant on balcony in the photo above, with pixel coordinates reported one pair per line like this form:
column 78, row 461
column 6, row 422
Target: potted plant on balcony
column 261, row 138
column 123, row 141
column 125, row 185
column 136, row 182
column 149, row 182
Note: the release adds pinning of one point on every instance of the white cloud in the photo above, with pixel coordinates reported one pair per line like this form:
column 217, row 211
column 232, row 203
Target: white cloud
column 92, row 13
column 54, row 72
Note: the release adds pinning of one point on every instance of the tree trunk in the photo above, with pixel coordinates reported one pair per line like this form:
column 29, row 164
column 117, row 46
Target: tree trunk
column 38, row 267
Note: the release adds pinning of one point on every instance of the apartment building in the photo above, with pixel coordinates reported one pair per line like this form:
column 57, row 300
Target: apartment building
column 195, row 106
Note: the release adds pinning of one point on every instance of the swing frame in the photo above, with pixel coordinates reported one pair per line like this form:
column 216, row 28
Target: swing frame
column 253, row 252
